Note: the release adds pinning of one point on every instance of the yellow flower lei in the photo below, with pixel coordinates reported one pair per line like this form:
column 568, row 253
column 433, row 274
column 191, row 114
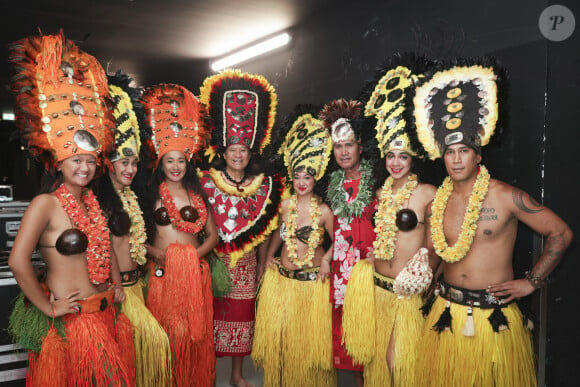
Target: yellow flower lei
column 223, row 186
column 469, row 226
column 385, row 226
column 314, row 237
column 137, row 234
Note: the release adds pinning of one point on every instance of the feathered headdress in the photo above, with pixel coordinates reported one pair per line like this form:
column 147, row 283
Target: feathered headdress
column 177, row 120
column 60, row 91
column 307, row 144
column 458, row 103
column 385, row 102
column 338, row 117
column 132, row 129
column 242, row 108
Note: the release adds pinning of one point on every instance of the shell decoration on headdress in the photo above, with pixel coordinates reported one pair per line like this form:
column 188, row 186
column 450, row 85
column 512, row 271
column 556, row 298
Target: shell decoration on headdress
column 60, row 99
column 458, row 103
column 337, row 117
column 131, row 131
column 307, row 146
column 385, row 101
column 176, row 118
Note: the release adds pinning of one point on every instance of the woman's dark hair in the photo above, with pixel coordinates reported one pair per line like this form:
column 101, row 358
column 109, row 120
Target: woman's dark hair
column 107, row 196
column 50, row 180
column 111, row 203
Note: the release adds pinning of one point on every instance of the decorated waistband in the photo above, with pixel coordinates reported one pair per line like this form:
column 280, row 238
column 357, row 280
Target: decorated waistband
column 477, row 298
column 98, row 302
column 384, row 282
column 309, row 274
column 130, row 278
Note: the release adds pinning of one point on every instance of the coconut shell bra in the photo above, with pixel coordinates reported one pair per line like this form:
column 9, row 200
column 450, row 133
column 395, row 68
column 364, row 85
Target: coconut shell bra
column 302, row 234
column 71, row 242
column 188, row 213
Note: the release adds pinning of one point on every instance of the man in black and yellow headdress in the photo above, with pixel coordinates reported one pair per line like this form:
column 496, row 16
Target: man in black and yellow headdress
column 474, row 333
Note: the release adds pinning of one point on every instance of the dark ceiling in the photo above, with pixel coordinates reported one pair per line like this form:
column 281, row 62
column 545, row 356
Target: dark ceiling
column 148, row 38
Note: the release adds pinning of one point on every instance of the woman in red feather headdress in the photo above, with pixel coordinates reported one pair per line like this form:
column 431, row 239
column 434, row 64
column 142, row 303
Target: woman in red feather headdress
column 245, row 202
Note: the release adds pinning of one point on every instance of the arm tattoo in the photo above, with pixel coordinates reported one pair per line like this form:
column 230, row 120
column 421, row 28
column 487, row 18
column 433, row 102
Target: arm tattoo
column 535, row 202
column 518, row 199
column 553, row 251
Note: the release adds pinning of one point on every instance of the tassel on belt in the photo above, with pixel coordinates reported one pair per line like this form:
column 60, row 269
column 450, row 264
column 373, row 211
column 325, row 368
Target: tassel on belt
column 471, row 298
column 479, row 298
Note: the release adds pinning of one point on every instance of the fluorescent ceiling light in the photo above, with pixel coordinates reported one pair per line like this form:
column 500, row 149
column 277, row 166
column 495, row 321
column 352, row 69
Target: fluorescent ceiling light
column 8, row 117
column 251, row 52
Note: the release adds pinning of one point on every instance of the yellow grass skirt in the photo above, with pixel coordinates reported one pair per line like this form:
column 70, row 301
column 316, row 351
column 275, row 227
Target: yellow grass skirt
column 152, row 349
column 359, row 313
column 293, row 332
column 397, row 319
column 486, row 359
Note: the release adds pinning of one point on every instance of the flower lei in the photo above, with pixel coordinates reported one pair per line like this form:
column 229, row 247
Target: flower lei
column 94, row 226
column 137, row 234
column 314, row 237
column 385, row 226
column 337, row 197
column 469, row 226
column 175, row 216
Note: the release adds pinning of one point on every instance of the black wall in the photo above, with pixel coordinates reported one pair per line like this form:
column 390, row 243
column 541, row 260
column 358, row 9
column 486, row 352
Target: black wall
column 336, row 50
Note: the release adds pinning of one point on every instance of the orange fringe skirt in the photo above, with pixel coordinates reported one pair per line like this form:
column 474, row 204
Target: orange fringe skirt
column 180, row 298
column 90, row 353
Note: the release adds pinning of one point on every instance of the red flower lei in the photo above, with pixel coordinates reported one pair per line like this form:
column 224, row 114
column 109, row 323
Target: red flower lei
column 94, row 226
column 180, row 224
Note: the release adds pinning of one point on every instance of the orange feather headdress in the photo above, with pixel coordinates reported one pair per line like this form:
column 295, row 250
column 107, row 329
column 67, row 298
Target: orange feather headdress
column 60, row 91
column 177, row 120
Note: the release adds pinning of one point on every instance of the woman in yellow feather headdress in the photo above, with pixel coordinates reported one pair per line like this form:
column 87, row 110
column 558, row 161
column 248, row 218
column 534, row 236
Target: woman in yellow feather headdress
column 121, row 193
column 401, row 267
column 293, row 338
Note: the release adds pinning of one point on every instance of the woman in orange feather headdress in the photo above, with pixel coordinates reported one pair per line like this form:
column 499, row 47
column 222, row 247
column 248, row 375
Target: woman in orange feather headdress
column 62, row 116
column 180, row 292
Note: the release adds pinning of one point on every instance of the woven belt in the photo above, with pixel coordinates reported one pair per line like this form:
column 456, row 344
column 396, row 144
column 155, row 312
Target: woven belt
column 383, row 282
column 97, row 302
column 130, row 278
column 301, row 274
column 479, row 298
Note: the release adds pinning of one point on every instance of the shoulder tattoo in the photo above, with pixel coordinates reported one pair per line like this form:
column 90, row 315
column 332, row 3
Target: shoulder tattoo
column 518, row 199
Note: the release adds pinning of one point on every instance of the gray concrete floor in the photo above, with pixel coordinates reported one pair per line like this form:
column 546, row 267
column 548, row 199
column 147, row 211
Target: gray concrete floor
column 255, row 377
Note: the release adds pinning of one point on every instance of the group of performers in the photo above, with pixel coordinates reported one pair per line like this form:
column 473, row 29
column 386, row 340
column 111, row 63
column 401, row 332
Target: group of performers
column 176, row 229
